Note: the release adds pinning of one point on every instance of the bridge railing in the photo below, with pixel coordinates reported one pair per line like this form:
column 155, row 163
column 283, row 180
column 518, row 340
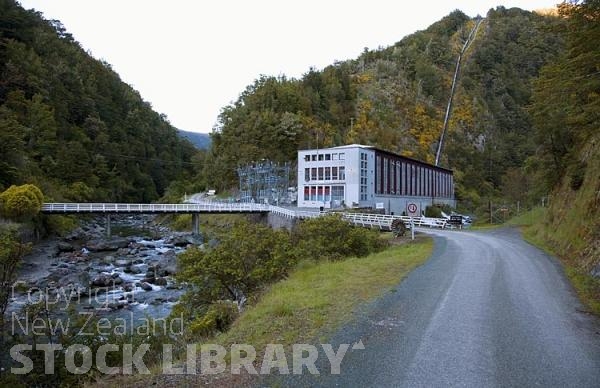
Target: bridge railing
column 152, row 208
column 381, row 221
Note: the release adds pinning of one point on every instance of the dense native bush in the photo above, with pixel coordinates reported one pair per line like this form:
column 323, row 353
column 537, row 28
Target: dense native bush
column 247, row 257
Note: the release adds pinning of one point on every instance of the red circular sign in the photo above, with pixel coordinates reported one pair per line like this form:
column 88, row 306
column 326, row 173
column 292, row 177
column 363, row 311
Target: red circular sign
column 412, row 208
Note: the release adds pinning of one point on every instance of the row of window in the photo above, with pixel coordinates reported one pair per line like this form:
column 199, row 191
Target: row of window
column 323, row 157
column 324, row 193
column 363, row 176
column 396, row 177
column 325, row 174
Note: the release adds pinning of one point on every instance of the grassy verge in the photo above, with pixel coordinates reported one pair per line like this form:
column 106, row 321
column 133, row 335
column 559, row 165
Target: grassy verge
column 484, row 226
column 310, row 304
column 535, row 232
column 317, row 298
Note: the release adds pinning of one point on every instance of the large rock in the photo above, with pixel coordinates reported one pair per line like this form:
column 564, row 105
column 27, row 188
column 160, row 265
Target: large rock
column 178, row 241
column 65, row 247
column 104, row 280
column 108, row 259
column 138, row 269
column 122, row 262
column 145, row 286
column 107, row 245
column 77, row 234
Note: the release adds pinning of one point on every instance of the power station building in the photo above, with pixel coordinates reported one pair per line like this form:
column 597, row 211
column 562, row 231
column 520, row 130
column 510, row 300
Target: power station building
column 364, row 176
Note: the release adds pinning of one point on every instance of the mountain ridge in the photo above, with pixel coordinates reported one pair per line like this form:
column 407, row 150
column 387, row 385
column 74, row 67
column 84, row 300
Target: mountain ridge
column 199, row 140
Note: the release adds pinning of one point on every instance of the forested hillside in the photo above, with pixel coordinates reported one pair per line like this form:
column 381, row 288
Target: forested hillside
column 566, row 115
column 396, row 97
column 70, row 125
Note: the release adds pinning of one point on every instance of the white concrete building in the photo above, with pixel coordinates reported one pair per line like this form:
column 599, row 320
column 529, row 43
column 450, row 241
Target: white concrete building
column 364, row 176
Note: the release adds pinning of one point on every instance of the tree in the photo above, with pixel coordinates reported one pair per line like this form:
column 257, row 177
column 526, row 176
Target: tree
column 21, row 202
column 11, row 252
column 244, row 259
column 566, row 96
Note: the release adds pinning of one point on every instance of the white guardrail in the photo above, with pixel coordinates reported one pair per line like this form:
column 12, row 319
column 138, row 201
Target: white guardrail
column 380, row 221
column 153, row 208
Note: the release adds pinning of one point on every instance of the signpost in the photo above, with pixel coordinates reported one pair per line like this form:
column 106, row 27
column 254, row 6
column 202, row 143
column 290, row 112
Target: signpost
column 456, row 221
column 412, row 209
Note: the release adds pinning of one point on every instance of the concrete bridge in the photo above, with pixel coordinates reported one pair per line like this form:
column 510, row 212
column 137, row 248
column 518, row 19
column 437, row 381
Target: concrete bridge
column 379, row 221
column 195, row 209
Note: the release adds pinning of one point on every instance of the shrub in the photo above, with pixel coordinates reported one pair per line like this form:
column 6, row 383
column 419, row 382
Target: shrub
column 21, row 202
column 332, row 238
column 218, row 317
column 433, row 211
column 244, row 259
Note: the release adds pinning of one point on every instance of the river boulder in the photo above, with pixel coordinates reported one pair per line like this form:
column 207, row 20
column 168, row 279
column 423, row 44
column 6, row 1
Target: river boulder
column 101, row 245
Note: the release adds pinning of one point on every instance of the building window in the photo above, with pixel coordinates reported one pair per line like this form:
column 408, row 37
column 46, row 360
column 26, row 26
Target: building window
column 342, row 156
column 385, row 188
column 307, row 174
column 378, row 175
column 419, row 181
column 398, row 178
column 321, row 157
column 306, row 193
column 314, row 157
column 320, row 173
column 327, row 156
column 342, row 171
column 334, row 156
column 422, row 176
column 313, row 193
column 307, row 158
column 327, row 193
column 363, row 176
column 413, row 180
column 313, row 173
column 334, row 173
column 337, row 193
column 406, row 179
column 327, row 173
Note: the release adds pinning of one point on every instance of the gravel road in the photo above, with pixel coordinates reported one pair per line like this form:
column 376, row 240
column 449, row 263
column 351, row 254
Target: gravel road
column 487, row 310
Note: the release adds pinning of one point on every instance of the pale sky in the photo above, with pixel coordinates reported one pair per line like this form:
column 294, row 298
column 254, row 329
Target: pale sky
column 190, row 58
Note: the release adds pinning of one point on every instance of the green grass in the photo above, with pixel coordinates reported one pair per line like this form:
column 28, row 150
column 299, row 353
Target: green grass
column 531, row 217
column 484, row 226
column 527, row 218
column 587, row 288
column 318, row 298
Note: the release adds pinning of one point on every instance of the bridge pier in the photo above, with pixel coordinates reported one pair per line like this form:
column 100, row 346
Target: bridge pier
column 195, row 224
column 108, row 232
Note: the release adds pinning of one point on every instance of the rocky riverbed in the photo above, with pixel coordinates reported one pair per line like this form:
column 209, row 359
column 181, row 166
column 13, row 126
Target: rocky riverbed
column 128, row 275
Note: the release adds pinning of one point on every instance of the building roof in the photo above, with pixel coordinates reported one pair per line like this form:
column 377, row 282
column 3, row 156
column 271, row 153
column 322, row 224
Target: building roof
column 349, row 146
